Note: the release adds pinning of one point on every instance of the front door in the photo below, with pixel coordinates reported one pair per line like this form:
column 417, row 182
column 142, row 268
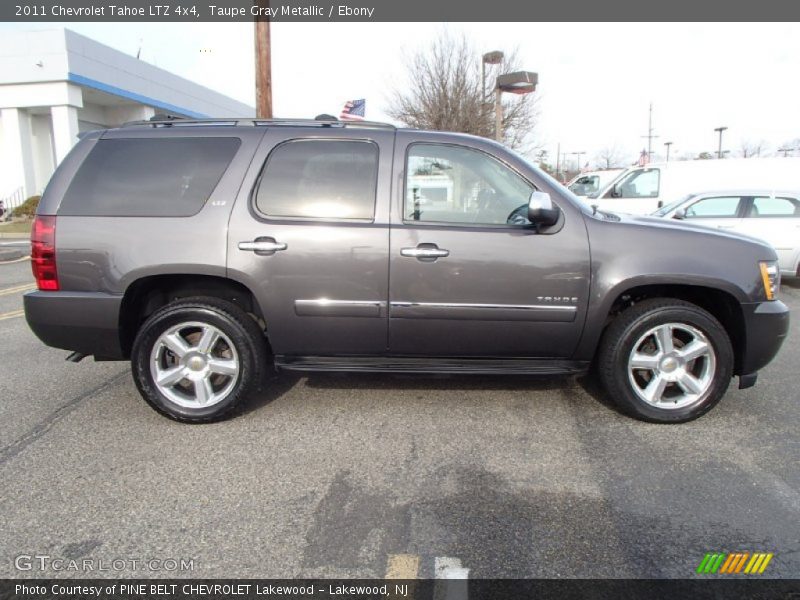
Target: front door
column 469, row 276
column 718, row 211
column 309, row 236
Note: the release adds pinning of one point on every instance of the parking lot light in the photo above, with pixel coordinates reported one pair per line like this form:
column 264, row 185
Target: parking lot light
column 518, row 82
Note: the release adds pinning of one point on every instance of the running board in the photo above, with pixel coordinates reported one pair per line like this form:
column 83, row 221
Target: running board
column 478, row 366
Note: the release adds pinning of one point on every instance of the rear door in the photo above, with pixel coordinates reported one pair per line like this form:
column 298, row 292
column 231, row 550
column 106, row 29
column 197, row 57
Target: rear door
column 469, row 276
column 776, row 220
column 309, row 235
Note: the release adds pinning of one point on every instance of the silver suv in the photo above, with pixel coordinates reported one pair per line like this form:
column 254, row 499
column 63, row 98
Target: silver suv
column 205, row 250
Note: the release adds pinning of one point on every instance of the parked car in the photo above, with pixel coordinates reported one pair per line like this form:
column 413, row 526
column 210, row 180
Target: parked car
column 769, row 215
column 642, row 190
column 202, row 251
column 590, row 182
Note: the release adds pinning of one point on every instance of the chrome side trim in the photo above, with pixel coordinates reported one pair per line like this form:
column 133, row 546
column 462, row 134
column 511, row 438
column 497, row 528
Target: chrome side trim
column 325, row 307
column 468, row 311
column 327, row 302
column 490, row 306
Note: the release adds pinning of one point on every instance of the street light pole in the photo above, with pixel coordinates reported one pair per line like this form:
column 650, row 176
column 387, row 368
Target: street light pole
column 578, row 159
column 495, row 57
column 719, row 149
column 263, row 64
column 498, row 114
column 668, row 144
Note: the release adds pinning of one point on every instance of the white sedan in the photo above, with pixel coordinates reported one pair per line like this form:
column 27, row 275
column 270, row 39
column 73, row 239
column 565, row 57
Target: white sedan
column 771, row 216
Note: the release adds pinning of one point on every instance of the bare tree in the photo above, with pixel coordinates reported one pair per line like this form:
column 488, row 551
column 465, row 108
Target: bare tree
column 788, row 148
column 749, row 149
column 609, row 157
column 444, row 92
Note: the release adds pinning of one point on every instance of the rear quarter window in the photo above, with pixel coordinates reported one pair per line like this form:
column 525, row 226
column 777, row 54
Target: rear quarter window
column 148, row 177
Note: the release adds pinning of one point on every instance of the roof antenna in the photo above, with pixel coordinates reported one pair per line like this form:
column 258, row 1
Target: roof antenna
column 139, row 51
column 325, row 117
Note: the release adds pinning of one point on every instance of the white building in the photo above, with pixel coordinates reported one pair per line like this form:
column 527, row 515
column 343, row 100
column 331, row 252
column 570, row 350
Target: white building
column 56, row 84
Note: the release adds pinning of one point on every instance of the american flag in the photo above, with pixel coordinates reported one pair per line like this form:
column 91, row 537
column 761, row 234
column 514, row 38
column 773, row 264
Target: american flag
column 644, row 158
column 353, row 110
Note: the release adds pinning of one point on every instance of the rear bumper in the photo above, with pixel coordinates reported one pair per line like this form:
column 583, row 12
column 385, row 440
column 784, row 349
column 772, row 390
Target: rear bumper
column 766, row 326
column 85, row 322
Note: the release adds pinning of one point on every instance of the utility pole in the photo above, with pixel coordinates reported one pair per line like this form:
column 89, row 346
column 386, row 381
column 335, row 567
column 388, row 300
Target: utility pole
column 263, row 64
column 650, row 137
column 558, row 162
column 668, row 144
column 786, row 151
column 719, row 148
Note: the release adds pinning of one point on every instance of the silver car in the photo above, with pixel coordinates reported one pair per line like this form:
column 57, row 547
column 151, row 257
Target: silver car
column 768, row 215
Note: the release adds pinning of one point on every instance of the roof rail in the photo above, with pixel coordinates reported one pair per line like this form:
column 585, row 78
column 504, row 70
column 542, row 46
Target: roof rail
column 255, row 122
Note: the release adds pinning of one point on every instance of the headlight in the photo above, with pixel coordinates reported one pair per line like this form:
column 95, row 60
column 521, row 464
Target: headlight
column 771, row 276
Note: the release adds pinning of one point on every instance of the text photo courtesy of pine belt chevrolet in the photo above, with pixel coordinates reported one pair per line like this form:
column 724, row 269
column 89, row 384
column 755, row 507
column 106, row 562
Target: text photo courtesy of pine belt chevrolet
column 203, row 251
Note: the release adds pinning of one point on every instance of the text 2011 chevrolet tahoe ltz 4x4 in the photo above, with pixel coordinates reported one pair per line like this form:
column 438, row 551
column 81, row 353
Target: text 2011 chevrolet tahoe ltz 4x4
column 202, row 251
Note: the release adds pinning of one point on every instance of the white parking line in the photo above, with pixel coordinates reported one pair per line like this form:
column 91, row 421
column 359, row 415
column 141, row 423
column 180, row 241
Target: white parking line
column 446, row 567
column 450, row 569
column 16, row 260
column 12, row 314
column 17, row 289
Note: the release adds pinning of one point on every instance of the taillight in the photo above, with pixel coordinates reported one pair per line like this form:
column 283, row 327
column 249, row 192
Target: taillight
column 43, row 252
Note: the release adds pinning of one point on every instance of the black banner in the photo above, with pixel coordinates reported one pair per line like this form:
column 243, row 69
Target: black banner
column 395, row 11
column 380, row 589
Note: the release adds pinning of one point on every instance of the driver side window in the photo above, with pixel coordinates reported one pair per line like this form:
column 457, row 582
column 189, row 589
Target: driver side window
column 639, row 184
column 455, row 184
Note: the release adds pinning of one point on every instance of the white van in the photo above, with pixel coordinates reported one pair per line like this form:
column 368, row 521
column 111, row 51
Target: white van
column 642, row 190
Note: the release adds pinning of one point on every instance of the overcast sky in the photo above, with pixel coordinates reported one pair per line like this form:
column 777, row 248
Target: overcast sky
column 596, row 79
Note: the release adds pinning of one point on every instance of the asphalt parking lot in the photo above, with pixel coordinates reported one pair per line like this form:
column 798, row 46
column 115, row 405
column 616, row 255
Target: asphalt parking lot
column 354, row 475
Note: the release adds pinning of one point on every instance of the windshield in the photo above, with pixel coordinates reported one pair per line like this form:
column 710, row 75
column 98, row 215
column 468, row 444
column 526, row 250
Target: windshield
column 585, row 185
column 664, row 210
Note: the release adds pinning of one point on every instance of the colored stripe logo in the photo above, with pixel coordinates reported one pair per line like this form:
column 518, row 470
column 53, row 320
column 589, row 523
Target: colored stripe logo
column 732, row 563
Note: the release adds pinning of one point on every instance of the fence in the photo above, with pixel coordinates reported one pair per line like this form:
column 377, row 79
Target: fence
column 12, row 201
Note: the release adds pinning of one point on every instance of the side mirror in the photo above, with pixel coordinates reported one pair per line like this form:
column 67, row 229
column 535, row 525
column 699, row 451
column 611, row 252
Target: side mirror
column 616, row 191
column 679, row 214
column 541, row 210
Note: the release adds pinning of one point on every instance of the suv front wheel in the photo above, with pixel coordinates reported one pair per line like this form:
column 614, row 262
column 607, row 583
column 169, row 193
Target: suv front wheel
column 195, row 359
column 665, row 361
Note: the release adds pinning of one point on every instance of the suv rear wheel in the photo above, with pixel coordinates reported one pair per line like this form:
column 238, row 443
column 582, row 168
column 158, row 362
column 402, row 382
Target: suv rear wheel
column 195, row 359
column 666, row 361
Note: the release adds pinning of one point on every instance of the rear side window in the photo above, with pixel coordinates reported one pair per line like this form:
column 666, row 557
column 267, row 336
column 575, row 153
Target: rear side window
column 770, row 206
column 320, row 179
column 154, row 177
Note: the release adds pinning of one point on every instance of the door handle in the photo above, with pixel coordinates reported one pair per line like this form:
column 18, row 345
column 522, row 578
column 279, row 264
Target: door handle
column 263, row 246
column 427, row 252
column 725, row 226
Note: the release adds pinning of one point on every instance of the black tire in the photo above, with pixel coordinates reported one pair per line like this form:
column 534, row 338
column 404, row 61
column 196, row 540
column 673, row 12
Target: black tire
column 240, row 329
column 623, row 333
